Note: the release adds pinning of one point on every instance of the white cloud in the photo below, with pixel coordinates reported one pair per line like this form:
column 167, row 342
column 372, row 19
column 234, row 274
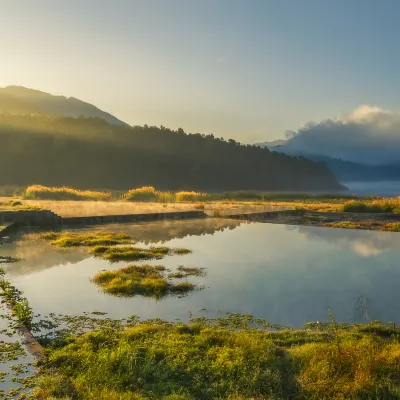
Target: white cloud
column 367, row 134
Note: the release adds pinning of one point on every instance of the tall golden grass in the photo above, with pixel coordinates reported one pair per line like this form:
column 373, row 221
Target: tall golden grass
column 149, row 193
column 63, row 193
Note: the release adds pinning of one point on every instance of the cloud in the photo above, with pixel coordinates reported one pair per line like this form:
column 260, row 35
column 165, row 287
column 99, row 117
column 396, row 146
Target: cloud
column 367, row 134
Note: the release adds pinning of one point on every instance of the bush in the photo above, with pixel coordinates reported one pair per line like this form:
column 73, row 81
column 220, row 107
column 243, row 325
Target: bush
column 145, row 193
column 63, row 193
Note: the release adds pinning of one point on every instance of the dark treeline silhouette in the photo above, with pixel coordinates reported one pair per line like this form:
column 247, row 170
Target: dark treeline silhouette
column 90, row 153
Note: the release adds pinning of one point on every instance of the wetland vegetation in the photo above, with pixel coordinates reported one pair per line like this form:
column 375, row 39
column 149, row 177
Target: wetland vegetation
column 232, row 357
column 110, row 246
column 145, row 280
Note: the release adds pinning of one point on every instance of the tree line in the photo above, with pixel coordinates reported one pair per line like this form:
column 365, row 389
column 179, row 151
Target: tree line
column 91, row 153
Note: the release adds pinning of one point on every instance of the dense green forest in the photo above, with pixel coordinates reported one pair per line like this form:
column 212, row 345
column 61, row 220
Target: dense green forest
column 91, row 153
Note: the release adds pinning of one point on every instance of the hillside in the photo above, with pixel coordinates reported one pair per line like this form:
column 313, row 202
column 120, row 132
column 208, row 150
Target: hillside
column 18, row 100
column 91, row 153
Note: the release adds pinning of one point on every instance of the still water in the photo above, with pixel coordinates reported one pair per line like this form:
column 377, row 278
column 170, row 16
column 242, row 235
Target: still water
column 381, row 188
column 285, row 274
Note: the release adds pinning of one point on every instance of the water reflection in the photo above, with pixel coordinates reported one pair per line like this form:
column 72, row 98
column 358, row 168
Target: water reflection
column 363, row 243
column 286, row 275
column 39, row 255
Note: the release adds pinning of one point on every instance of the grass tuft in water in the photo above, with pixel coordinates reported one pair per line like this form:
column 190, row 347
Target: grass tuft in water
column 131, row 253
column 74, row 239
column 144, row 280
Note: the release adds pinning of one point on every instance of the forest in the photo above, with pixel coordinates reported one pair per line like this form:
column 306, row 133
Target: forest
column 87, row 152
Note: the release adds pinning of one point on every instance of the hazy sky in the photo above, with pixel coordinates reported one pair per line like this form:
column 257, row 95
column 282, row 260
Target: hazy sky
column 245, row 69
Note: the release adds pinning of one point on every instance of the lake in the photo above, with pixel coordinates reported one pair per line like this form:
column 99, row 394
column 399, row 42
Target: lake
column 384, row 189
column 287, row 275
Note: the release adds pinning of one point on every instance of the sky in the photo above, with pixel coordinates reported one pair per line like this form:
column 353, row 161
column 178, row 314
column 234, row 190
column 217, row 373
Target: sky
column 244, row 69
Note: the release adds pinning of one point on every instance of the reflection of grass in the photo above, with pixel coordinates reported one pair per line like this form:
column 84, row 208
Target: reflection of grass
column 144, row 280
column 131, row 253
column 377, row 225
column 74, row 239
column 184, row 272
column 223, row 358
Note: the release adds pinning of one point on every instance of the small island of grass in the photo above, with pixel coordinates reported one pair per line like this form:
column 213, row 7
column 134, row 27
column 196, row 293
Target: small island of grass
column 88, row 239
column 144, row 280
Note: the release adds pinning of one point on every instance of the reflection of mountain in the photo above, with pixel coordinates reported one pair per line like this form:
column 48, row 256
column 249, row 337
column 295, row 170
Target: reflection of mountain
column 39, row 255
column 363, row 243
column 162, row 231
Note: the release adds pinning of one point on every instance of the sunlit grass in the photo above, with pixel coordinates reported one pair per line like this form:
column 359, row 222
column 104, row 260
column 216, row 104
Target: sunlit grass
column 90, row 239
column 144, row 280
column 131, row 253
column 236, row 357
column 63, row 193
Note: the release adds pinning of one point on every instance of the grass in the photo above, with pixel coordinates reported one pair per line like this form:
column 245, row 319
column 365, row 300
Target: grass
column 374, row 225
column 236, row 357
column 63, row 193
column 90, row 239
column 150, row 194
column 144, row 280
column 18, row 304
column 131, row 253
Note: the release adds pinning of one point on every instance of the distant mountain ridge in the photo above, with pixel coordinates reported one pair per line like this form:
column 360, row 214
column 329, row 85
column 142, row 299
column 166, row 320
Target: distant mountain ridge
column 19, row 100
column 345, row 171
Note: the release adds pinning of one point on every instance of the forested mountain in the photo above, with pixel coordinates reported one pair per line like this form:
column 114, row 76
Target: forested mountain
column 91, row 153
column 20, row 100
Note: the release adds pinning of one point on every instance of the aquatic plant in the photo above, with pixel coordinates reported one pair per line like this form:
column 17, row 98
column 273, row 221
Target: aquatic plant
column 131, row 253
column 144, row 280
column 18, row 304
column 76, row 239
column 63, row 193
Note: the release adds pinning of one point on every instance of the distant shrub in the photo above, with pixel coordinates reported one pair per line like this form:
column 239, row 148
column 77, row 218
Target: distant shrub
column 145, row 193
column 191, row 196
column 376, row 206
column 63, row 193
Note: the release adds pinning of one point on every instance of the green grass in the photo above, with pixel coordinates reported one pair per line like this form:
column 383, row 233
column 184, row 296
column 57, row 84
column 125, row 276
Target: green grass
column 224, row 358
column 90, row 239
column 144, row 280
column 131, row 253
column 18, row 304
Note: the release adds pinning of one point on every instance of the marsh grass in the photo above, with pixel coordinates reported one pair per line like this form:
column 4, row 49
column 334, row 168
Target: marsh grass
column 63, row 193
column 131, row 253
column 144, row 280
column 90, row 239
column 370, row 225
column 236, row 357
column 13, row 297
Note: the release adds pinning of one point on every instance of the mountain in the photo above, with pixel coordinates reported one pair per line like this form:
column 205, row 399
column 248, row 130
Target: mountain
column 345, row 171
column 17, row 100
column 91, row 153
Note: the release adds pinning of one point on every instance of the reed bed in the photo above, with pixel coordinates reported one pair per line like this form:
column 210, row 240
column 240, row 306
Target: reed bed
column 40, row 192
